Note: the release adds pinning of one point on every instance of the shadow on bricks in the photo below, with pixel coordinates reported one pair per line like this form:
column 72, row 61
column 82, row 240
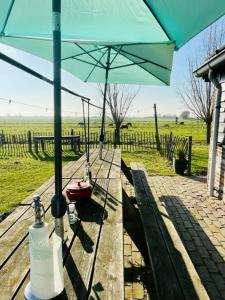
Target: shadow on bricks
column 201, row 247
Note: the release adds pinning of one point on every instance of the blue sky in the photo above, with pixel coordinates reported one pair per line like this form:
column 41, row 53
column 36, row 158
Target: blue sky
column 19, row 86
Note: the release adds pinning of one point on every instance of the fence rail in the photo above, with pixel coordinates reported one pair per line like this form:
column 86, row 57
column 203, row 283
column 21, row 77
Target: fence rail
column 19, row 144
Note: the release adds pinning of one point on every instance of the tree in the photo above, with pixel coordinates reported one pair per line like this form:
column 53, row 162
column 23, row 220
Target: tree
column 185, row 114
column 119, row 99
column 195, row 94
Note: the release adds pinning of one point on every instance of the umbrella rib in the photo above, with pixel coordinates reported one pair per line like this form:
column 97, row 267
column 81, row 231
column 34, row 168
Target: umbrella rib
column 80, row 54
column 128, row 65
column 87, row 62
column 95, row 67
column 144, row 59
column 117, row 53
column 157, row 19
column 7, row 16
column 98, row 61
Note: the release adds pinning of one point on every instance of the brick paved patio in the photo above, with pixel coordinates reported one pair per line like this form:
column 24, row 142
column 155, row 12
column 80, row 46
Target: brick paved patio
column 200, row 222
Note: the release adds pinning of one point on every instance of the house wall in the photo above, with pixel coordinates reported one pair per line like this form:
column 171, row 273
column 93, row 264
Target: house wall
column 219, row 184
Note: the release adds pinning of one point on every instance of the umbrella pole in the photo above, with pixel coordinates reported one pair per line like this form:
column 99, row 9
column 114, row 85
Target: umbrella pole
column 101, row 139
column 58, row 207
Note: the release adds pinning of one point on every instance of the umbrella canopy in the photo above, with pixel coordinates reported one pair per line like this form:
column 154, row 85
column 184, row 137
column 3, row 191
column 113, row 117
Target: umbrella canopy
column 104, row 21
column 129, row 63
column 141, row 34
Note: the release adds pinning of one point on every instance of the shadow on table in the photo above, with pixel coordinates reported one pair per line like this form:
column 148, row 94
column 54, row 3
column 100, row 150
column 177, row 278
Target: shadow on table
column 74, row 276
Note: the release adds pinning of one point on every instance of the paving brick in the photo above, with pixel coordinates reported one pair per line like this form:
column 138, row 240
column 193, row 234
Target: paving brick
column 219, row 281
column 127, row 250
column 195, row 257
column 221, row 268
column 203, row 272
column 190, row 246
column 200, row 223
column 213, row 291
column 203, row 252
column 211, row 266
column 128, row 292
column 216, row 257
column 138, row 291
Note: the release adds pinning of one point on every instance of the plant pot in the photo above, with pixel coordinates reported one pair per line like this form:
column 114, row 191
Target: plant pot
column 180, row 165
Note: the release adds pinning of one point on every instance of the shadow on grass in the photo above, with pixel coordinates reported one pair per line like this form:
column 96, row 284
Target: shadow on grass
column 49, row 156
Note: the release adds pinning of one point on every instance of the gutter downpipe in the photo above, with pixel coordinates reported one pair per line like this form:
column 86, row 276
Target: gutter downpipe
column 212, row 169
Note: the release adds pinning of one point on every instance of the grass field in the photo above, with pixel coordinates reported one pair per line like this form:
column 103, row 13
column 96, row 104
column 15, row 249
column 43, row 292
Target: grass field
column 191, row 127
column 20, row 176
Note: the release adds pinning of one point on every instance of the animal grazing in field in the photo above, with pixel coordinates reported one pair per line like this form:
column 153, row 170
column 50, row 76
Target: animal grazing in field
column 166, row 126
column 129, row 124
column 124, row 127
column 110, row 124
column 81, row 124
column 181, row 123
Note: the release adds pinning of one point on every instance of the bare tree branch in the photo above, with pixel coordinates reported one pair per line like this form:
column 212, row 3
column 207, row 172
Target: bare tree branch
column 195, row 94
column 119, row 99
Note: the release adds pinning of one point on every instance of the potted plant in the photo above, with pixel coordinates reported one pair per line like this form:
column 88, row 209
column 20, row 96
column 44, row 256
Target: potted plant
column 180, row 162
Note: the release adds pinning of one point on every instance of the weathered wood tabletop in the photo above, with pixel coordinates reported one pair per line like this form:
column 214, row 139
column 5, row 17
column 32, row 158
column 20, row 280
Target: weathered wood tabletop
column 93, row 248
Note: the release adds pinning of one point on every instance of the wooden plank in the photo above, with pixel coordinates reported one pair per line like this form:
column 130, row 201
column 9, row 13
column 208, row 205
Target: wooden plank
column 16, row 235
column 80, row 262
column 116, row 165
column 106, row 165
column 80, row 245
column 9, row 274
column 83, row 240
column 166, row 286
column 70, row 236
column 108, row 278
column 93, row 157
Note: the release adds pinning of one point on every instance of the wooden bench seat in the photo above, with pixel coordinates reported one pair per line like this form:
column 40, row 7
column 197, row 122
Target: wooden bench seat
column 172, row 270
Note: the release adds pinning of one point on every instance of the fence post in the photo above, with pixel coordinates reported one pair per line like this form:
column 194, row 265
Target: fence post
column 29, row 140
column 170, row 145
column 189, row 155
column 156, row 129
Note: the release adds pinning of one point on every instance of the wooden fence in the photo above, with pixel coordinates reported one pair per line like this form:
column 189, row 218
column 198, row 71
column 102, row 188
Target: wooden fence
column 169, row 143
column 19, row 144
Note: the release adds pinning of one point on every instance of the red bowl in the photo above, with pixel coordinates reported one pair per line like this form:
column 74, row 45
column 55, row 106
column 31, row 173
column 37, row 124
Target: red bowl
column 79, row 190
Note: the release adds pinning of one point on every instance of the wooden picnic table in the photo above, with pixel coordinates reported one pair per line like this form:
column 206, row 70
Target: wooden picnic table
column 41, row 139
column 93, row 248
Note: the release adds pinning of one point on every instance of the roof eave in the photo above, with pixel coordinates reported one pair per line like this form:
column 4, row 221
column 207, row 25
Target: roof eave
column 215, row 63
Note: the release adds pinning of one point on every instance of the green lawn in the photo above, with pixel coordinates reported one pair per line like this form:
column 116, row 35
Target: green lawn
column 154, row 163
column 20, row 176
column 190, row 127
